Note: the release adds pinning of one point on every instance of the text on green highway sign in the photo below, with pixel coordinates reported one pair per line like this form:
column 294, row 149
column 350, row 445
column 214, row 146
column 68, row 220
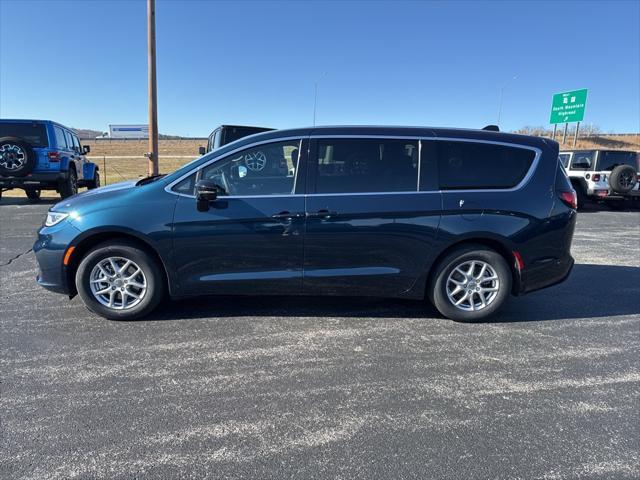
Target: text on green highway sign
column 568, row 106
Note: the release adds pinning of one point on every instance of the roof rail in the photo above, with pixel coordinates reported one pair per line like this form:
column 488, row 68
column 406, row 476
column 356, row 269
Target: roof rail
column 492, row 128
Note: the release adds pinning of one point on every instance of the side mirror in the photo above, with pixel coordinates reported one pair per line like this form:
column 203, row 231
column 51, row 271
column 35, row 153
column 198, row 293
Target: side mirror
column 86, row 149
column 202, row 150
column 206, row 192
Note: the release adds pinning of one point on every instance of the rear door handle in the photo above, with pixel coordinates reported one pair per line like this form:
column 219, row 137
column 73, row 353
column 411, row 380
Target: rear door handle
column 322, row 214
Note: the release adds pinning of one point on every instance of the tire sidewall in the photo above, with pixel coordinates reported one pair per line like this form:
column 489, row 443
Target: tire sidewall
column 614, row 179
column 439, row 293
column 70, row 184
column 30, row 160
column 152, row 272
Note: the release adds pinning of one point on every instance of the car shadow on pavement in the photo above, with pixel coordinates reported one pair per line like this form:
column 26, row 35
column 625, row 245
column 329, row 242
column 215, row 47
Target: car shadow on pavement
column 591, row 291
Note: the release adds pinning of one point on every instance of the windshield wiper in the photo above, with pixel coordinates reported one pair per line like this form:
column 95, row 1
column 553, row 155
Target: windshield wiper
column 152, row 178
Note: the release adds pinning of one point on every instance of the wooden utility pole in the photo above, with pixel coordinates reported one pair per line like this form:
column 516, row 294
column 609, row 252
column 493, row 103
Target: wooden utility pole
column 153, row 93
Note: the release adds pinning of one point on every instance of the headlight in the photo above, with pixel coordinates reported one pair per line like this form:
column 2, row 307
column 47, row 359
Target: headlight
column 53, row 218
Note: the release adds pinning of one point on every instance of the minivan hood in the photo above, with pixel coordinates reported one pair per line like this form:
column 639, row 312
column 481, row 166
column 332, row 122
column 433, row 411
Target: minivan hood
column 90, row 196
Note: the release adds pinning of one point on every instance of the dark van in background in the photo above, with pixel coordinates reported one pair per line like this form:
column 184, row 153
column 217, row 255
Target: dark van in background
column 465, row 218
column 229, row 133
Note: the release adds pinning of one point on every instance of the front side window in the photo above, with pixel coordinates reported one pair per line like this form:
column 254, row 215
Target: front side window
column 564, row 159
column 76, row 142
column 358, row 165
column 60, row 137
column 268, row 169
column 475, row 165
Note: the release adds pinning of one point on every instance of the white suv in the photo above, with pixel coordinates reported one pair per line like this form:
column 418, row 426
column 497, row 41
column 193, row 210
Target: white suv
column 603, row 175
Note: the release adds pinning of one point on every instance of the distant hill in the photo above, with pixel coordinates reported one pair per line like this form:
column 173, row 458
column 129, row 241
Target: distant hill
column 86, row 134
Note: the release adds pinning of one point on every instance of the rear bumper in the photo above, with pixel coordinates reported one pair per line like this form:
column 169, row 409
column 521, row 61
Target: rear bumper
column 546, row 274
column 36, row 179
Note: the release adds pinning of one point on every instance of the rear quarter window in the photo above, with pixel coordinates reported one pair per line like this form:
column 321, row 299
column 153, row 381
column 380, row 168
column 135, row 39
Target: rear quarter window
column 35, row 134
column 475, row 165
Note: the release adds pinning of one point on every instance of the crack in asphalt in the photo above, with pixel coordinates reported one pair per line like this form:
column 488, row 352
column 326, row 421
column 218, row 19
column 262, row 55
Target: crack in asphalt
column 11, row 260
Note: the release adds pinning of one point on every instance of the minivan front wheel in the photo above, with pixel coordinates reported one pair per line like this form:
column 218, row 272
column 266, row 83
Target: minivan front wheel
column 470, row 284
column 119, row 281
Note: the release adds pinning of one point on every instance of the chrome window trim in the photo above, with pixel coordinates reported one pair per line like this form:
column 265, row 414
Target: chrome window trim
column 228, row 154
column 419, row 139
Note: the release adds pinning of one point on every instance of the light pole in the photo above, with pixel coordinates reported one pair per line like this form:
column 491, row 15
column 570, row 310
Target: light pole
column 502, row 95
column 315, row 96
column 153, row 93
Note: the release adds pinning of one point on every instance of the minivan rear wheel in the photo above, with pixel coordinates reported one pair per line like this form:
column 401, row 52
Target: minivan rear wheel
column 120, row 281
column 470, row 284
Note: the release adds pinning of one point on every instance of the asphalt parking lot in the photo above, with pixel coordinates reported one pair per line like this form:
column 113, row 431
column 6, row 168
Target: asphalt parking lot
column 281, row 387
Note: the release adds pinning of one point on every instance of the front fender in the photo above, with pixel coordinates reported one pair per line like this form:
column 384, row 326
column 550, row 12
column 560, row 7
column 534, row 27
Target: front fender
column 89, row 170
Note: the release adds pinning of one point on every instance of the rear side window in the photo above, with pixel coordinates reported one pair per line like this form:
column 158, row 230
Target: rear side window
column 35, row 134
column 475, row 165
column 60, row 137
column 366, row 165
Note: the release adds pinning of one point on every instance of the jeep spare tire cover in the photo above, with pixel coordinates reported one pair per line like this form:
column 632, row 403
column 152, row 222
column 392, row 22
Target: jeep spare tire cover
column 17, row 158
column 623, row 178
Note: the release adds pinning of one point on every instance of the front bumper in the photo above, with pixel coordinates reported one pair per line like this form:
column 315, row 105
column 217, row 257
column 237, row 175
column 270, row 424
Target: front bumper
column 49, row 249
column 36, row 179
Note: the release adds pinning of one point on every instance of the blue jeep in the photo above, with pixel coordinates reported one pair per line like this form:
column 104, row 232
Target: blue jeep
column 38, row 155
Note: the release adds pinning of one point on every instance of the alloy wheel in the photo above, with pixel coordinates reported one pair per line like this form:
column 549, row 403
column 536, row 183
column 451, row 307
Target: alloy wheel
column 472, row 285
column 12, row 157
column 118, row 283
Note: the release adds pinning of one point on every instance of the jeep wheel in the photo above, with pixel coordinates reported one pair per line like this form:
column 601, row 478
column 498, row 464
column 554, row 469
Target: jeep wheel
column 69, row 186
column 623, row 179
column 33, row 194
column 581, row 196
column 470, row 284
column 120, row 281
column 95, row 183
column 17, row 158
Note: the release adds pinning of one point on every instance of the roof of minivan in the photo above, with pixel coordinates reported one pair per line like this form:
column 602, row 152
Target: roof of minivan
column 582, row 150
column 437, row 132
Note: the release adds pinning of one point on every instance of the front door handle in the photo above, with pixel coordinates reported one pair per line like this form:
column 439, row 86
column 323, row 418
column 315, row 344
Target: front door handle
column 325, row 214
column 286, row 216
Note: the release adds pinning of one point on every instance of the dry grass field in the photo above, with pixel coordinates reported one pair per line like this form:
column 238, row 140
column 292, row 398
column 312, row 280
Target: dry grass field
column 174, row 153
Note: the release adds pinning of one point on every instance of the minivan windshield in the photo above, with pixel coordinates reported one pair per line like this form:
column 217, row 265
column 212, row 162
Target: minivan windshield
column 35, row 134
column 608, row 160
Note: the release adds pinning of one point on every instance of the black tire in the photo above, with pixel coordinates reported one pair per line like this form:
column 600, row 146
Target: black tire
column 155, row 284
column 95, row 183
column 437, row 290
column 581, row 196
column 17, row 158
column 622, row 179
column 33, row 194
column 69, row 186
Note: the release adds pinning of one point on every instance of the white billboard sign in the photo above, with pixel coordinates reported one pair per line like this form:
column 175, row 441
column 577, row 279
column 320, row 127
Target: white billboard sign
column 129, row 131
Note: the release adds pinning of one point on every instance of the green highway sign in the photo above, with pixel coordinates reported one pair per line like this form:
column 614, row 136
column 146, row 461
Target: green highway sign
column 568, row 106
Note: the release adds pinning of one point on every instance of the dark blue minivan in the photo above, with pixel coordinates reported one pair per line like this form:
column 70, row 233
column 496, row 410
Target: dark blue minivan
column 465, row 218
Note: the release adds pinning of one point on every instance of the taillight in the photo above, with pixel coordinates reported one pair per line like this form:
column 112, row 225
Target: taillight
column 569, row 198
column 596, row 177
column 519, row 261
column 53, row 156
